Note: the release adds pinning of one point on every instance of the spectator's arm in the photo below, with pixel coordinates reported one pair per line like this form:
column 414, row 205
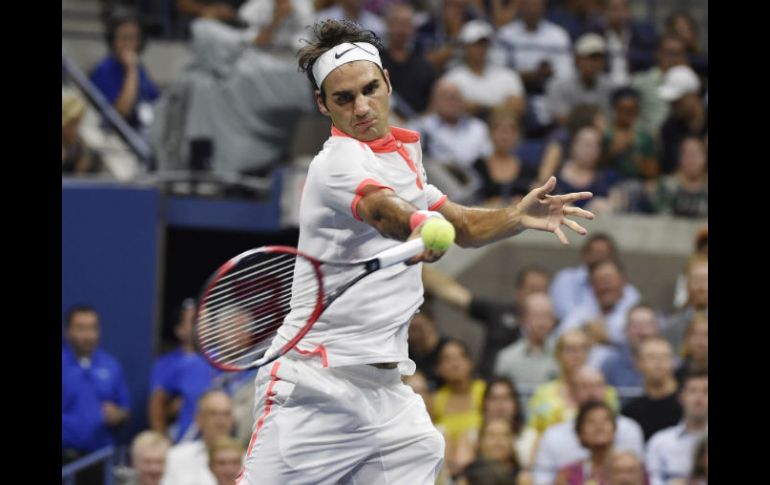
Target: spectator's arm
column 550, row 163
column 281, row 10
column 446, row 288
column 158, row 410
column 129, row 91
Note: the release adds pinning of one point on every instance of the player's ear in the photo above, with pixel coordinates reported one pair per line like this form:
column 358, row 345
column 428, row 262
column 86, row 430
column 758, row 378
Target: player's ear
column 321, row 104
column 387, row 80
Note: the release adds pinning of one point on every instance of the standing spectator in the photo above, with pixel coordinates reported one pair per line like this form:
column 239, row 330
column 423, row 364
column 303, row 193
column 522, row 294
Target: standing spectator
column 560, row 444
column 226, row 460
column 658, row 408
column 411, row 75
column 688, row 116
column 630, row 42
column 278, row 25
column 589, row 84
column 188, row 463
column 148, row 460
column 629, row 150
column 596, row 428
column 505, row 178
column 620, row 368
column 76, row 156
column 425, row 343
column 121, row 77
column 485, row 86
column 686, row 192
column 354, row 11
column 95, row 398
column 697, row 302
column 530, row 361
column 695, row 349
column 653, row 110
column 500, row 318
column 682, row 24
column 671, row 452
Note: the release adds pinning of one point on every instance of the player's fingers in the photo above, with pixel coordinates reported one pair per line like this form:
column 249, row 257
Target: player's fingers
column 577, row 211
column 547, row 188
column 574, row 226
column 567, row 198
column 561, row 236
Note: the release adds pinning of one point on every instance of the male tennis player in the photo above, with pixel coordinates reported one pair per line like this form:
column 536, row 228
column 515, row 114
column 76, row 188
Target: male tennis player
column 334, row 409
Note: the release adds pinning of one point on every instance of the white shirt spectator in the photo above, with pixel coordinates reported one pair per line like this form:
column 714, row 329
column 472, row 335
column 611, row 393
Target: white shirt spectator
column 491, row 88
column 670, row 453
column 548, row 42
column 188, row 464
column 259, row 14
column 367, row 19
column 571, row 288
column 560, row 446
column 519, row 363
column 614, row 322
column 462, row 143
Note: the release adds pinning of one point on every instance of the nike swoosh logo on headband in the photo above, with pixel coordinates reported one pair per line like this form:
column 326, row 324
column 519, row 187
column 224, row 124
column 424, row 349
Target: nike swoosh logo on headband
column 338, row 55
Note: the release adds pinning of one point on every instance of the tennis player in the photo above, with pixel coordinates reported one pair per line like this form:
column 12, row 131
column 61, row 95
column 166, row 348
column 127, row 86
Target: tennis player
column 334, row 409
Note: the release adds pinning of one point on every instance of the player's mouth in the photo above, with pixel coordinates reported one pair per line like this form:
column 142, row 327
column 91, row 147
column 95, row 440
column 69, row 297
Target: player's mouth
column 364, row 125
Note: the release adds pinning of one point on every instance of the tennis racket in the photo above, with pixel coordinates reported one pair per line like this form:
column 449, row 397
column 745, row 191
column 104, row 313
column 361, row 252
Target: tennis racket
column 248, row 298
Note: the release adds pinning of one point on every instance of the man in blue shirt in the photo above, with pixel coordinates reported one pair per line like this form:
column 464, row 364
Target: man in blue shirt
column 95, row 396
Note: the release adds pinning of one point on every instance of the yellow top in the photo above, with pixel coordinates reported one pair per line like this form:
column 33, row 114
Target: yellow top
column 548, row 407
column 457, row 424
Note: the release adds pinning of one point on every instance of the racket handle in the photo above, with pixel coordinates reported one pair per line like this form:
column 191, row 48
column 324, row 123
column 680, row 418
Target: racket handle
column 401, row 253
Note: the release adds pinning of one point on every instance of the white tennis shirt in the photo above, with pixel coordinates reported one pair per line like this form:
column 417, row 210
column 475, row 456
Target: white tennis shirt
column 368, row 323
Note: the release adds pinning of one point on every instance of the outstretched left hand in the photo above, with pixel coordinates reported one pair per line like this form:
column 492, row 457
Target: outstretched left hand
column 545, row 212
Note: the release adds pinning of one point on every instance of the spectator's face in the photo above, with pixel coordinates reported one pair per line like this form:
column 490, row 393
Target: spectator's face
column 573, row 351
column 149, row 463
column 695, row 398
column 617, row 13
column 422, row 331
column 505, row 135
column 532, row 11
column 626, row 111
column 685, row 30
column 698, row 285
column 400, row 26
column 184, row 330
column 641, row 325
column 586, row 147
column 656, row 361
column 496, row 441
column 453, row 364
column 83, row 332
column 597, row 250
column 671, row 53
column 476, row 53
column 539, row 318
column 127, row 37
column 698, row 340
column 626, row 469
column 215, row 416
column 357, row 100
column 598, row 429
column 225, row 465
column 500, row 403
column 448, row 102
column 589, row 385
column 590, row 66
column 607, row 282
column 692, row 160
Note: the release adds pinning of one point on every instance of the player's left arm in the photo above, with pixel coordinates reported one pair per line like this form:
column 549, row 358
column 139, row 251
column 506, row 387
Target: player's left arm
column 537, row 210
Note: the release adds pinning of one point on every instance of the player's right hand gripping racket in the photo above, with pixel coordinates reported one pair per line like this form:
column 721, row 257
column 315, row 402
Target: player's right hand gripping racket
column 248, row 298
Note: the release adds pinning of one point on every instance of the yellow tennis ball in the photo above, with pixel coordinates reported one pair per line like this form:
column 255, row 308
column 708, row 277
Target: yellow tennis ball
column 437, row 234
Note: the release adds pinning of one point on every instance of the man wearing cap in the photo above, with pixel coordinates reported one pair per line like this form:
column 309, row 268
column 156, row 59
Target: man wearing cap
column 484, row 85
column 334, row 409
column 589, row 85
column 688, row 115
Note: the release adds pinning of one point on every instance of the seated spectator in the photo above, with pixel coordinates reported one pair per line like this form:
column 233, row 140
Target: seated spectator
column 560, row 445
column 688, row 115
column 686, row 192
column 700, row 248
column 226, row 460
column 505, row 179
column 438, row 36
column 630, row 42
column 658, row 407
column 630, row 150
column 76, row 156
column 121, row 77
column 588, row 85
column 671, row 451
column 425, row 344
column 353, row 10
column 529, row 361
column 626, row 468
column 188, row 463
column 148, row 460
column 500, row 318
column 596, row 428
column 485, row 86
column 95, row 398
column 502, row 400
column 682, row 24
column 495, row 444
column 581, row 172
column 695, row 349
column 458, row 404
column 411, row 75
column 278, row 25
column 578, row 17
column 555, row 401
column 620, row 367
column 697, row 302
column 484, row 472
column 572, row 288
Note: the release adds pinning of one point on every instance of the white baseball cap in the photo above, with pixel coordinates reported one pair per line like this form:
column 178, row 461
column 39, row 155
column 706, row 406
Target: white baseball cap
column 589, row 44
column 678, row 81
column 475, row 30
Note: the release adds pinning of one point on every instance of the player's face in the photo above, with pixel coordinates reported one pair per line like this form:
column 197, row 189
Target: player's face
column 357, row 100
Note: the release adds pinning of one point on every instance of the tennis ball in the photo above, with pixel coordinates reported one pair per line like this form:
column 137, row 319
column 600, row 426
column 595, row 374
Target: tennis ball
column 437, row 234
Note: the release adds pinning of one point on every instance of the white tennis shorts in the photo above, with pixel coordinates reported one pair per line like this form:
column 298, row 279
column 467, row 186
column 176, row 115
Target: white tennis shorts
column 348, row 425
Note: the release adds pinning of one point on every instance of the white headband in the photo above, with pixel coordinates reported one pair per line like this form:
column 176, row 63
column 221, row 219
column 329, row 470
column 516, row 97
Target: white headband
column 342, row 54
